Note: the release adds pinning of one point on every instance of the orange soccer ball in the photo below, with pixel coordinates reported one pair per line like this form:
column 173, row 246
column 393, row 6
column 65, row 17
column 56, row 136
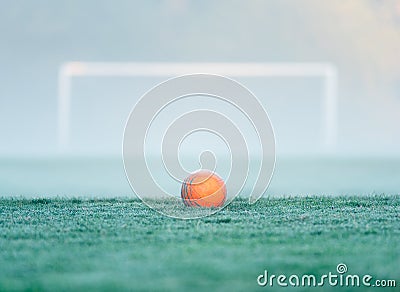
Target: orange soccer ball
column 203, row 189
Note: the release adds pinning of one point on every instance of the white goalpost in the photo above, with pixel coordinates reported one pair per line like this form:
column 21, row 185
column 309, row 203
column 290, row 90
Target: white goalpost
column 327, row 71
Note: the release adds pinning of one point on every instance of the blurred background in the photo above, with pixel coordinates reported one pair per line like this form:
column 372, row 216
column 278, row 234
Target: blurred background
column 359, row 39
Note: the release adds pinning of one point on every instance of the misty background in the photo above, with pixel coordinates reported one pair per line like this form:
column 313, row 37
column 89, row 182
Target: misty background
column 360, row 38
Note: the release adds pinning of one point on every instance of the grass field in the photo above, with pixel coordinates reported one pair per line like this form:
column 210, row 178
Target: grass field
column 108, row 244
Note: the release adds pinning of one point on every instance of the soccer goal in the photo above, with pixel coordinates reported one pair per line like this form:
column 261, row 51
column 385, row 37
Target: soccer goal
column 326, row 72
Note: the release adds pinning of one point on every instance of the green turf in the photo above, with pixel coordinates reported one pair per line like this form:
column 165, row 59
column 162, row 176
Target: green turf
column 73, row 244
